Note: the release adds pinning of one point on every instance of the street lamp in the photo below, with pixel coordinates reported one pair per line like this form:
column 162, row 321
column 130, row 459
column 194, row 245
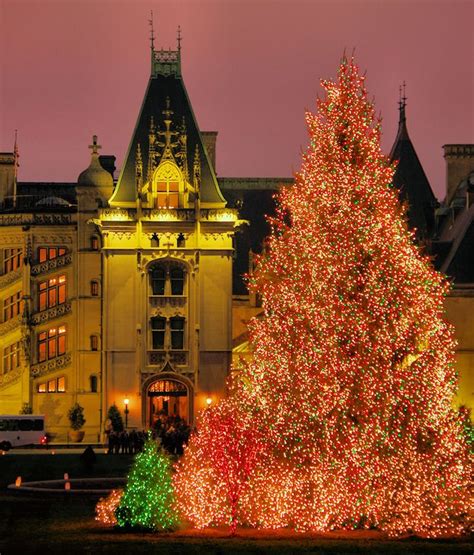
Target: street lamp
column 126, row 411
column 209, row 401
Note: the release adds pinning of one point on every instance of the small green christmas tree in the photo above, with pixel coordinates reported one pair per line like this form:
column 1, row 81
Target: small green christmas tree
column 148, row 499
column 115, row 417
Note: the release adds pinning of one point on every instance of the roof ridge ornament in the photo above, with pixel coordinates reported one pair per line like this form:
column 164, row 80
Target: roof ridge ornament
column 402, row 102
column 165, row 62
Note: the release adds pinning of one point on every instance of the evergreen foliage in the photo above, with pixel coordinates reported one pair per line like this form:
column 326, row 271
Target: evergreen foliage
column 352, row 379
column 76, row 416
column 115, row 417
column 148, row 500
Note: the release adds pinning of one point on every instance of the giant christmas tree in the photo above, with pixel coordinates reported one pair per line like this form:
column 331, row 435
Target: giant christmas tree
column 352, row 378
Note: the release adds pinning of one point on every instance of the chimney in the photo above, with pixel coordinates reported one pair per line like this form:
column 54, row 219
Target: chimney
column 209, row 139
column 7, row 178
column 459, row 163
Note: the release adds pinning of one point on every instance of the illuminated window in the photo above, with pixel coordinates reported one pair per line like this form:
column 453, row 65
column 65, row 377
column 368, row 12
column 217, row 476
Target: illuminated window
column 167, row 183
column 158, row 329
column 12, row 260
column 11, row 357
column 167, row 279
column 94, row 243
column 61, row 385
column 93, row 383
column 52, row 292
column 94, row 288
column 55, row 385
column 94, row 342
column 51, row 343
column 48, row 253
column 177, row 332
column 12, row 306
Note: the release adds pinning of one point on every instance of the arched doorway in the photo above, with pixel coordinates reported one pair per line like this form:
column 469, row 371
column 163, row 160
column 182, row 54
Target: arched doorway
column 167, row 396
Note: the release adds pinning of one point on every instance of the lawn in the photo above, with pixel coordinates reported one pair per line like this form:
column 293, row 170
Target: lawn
column 52, row 524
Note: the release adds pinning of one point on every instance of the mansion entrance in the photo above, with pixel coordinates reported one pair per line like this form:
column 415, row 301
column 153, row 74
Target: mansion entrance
column 167, row 397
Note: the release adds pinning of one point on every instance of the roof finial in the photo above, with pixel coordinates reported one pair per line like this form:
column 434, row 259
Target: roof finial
column 94, row 146
column 179, row 38
column 152, row 32
column 402, row 102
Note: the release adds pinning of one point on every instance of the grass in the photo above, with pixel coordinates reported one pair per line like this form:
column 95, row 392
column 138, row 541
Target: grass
column 52, row 524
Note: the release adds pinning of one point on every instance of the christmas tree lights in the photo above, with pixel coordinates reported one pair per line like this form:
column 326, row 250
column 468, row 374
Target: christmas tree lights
column 348, row 397
column 106, row 507
column 148, row 500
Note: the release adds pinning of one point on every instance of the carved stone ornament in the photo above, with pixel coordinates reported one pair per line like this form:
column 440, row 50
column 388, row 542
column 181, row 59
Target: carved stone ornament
column 10, row 325
column 10, row 377
column 10, row 278
column 50, row 366
column 50, row 314
column 51, row 265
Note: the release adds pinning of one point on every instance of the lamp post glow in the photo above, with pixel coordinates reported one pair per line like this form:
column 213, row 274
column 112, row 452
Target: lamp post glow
column 126, row 401
column 209, row 401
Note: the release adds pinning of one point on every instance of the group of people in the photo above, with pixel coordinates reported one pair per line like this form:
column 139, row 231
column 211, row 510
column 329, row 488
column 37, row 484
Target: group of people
column 171, row 431
column 126, row 442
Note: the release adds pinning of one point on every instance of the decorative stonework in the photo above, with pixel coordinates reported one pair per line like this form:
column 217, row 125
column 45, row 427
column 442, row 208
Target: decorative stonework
column 167, row 300
column 10, row 377
column 11, row 277
column 10, row 325
column 169, row 215
column 49, row 366
column 50, row 265
column 35, row 219
column 219, row 215
column 176, row 358
column 50, row 314
column 117, row 214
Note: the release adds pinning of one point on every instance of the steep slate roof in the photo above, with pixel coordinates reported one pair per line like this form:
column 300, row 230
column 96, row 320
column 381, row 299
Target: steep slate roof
column 411, row 181
column 165, row 82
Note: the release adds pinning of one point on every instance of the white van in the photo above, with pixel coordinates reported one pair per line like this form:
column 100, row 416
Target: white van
column 18, row 430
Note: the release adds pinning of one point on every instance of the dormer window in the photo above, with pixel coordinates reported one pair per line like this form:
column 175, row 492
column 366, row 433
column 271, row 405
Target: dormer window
column 168, row 185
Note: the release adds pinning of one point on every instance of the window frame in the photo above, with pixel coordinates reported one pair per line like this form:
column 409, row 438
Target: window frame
column 13, row 305
column 51, row 343
column 12, row 259
column 52, row 292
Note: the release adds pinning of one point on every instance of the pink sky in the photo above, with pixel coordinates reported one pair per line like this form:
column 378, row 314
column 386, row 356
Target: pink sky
column 72, row 68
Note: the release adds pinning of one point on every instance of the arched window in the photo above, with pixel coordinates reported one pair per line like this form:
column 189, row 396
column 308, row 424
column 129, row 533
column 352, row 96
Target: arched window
column 167, row 185
column 93, row 383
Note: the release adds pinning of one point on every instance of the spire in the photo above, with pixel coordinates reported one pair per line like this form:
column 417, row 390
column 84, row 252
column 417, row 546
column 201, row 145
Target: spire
column 179, row 39
column 402, row 119
column 16, row 165
column 410, row 179
column 139, row 170
column 151, row 150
